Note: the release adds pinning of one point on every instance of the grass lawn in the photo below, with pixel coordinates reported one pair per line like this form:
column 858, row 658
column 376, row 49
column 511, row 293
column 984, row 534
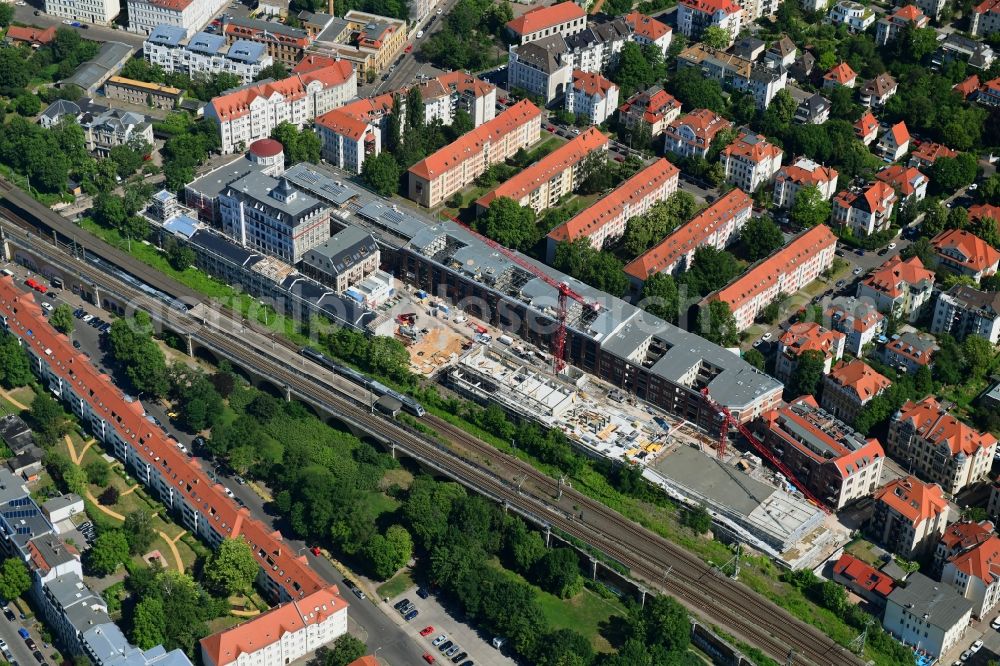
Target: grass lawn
column 545, row 147
column 396, row 477
column 587, row 613
column 382, row 503
column 395, row 585
column 864, row 550
column 225, row 622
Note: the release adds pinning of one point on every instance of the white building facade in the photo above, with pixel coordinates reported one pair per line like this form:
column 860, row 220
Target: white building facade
column 100, row 12
column 204, row 54
column 191, row 15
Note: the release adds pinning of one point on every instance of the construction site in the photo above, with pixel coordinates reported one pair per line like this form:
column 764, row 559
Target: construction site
column 750, row 502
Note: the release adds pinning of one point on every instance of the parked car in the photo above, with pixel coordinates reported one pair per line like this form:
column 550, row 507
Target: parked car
column 412, row 614
column 399, row 605
column 459, row 657
column 995, row 623
column 9, row 614
column 23, row 633
column 423, row 593
column 427, row 631
column 976, row 647
column 428, row 657
column 444, row 647
column 452, row 651
column 39, row 657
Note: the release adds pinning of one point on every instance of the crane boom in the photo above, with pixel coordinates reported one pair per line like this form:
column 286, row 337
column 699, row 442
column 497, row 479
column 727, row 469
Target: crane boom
column 565, row 292
column 729, row 420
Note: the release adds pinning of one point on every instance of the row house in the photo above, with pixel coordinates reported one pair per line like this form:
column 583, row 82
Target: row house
column 900, row 288
column 963, row 311
column 596, row 49
column 806, row 336
column 99, row 12
column 834, row 461
column 975, row 574
column 908, row 182
column 253, row 112
column 909, row 351
column 924, row 437
column 204, row 54
column 865, row 211
column 889, row 27
column 652, row 109
column 694, row 16
column 895, row 142
column 544, row 183
column 736, row 73
column 189, row 15
column 858, row 319
column 786, row 271
column 908, row 517
column 803, row 173
column 959, row 538
column 563, row 19
column 691, row 135
column 985, row 19
column 849, row 386
column 717, row 226
column 592, row 96
column 964, row 253
column 605, row 220
column 876, row 93
column 438, row 176
column 750, row 161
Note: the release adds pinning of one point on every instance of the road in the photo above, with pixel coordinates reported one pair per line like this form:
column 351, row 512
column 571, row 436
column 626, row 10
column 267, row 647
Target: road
column 22, row 655
column 100, row 33
column 473, row 463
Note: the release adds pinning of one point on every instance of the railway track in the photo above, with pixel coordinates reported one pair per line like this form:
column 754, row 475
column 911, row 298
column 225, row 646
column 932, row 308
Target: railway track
column 701, row 588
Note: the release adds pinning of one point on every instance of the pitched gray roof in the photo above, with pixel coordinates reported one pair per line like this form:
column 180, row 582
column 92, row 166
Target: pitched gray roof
column 167, row 35
column 939, row 604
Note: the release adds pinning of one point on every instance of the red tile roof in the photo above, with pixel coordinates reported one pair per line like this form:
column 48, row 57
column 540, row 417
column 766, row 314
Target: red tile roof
column 965, row 535
column 546, row 17
column 755, row 151
column 933, row 424
column 913, row 499
column 910, row 13
column 864, row 575
column 152, row 445
column 704, row 123
column 531, row 178
column 237, row 104
column 982, row 561
column 842, row 74
column 897, row 275
column 712, row 6
column 987, row 6
column 803, row 177
column 865, row 125
column 901, row 178
column 454, row 82
column 979, row 255
column 31, row 34
column 655, row 105
column 876, row 198
column 633, row 190
column 352, row 120
column 647, row 26
column 472, row 143
column 226, row 646
column 172, row 5
column 689, row 235
column 860, row 378
column 928, row 152
column 593, row 85
column 899, row 133
column 980, row 211
column 806, row 336
column 968, row 86
column 765, row 274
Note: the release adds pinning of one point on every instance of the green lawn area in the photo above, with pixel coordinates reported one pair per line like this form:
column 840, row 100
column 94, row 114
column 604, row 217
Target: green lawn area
column 544, row 147
column 587, row 613
column 395, row 585
column 864, row 551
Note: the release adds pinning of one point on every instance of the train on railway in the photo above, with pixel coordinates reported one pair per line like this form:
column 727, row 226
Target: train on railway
column 408, row 403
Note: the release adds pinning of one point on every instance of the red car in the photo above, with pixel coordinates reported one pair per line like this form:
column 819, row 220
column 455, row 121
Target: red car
column 550, row 128
column 426, row 631
column 428, row 657
column 316, row 551
column 409, row 49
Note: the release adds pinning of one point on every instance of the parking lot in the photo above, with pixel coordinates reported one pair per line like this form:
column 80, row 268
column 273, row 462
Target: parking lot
column 478, row 648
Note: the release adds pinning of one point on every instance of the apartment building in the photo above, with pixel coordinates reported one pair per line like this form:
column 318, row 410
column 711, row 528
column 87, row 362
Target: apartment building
column 596, row 48
column 835, row 462
column 283, row 43
column 899, row 287
column 804, row 173
column 204, row 54
column 693, row 16
column 564, row 19
column 806, row 336
column 190, row 15
column 985, row 19
column 849, row 386
column 252, row 112
column 545, row 182
column 141, row 93
column 975, row 574
column 270, row 215
column 814, row 110
column 736, row 73
column 543, row 68
column 866, row 128
column 717, row 226
column 100, row 12
column 152, row 457
column 889, row 27
column 895, row 142
column 368, row 41
column 103, row 128
column 354, row 132
column 854, row 15
column 963, row 311
column 785, row 272
column 866, row 210
column 909, row 517
column 438, row 176
column 908, row 182
column 942, row 449
column 959, row 538
column 965, row 253
column 858, row 319
column 344, row 259
column 592, row 96
column 928, row 614
column 750, row 161
column 654, row 108
column 451, row 92
column 909, row 351
column 605, row 220
column 647, row 30
column 841, row 75
column 691, row 134
column 877, row 91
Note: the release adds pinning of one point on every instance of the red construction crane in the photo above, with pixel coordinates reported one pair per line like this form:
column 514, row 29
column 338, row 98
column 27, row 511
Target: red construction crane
column 565, row 292
column 729, row 420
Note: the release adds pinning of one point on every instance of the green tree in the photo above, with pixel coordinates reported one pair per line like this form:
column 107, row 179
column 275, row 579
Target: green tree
column 667, row 624
column 132, row 345
column 698, row 519
column 810, row 209
column 231, row 569
column 509, row 223
column 6, row 15
column 718, row 324
column 301, row 145
column 97, row 472
column 558, row 572
column 275, row 71
column 563, row 647
column 345, row 650
column 979, row 356
column 695, row 91
column 381, row 172
column 62, row 319
column 715, row 37
column 149, row 623
column 952, row 173
column 754, row 358
column 711, row 269
column 387, row 554
column 14, row 579
column 27, row 104
column 660, row 297
column 139, row 531
column 761, row 237
column 807, row 375
column 15, row 369
column 415, row 109
column 47, row 418
column 601, row 270
column 180, row 256
column 110, row 550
